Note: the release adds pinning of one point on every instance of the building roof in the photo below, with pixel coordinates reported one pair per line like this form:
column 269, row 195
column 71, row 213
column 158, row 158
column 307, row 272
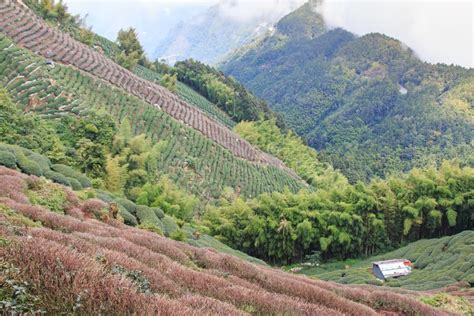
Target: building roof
column 393, row 268
column 390, row 261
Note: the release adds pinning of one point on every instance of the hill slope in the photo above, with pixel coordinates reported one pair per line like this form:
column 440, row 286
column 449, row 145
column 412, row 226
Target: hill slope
column 437, row 263
column 76, row 258
column 367, row 104
column 56, row 89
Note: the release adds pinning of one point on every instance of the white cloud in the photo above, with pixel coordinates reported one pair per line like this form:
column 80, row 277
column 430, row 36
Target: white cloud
column 246, row 10
column 439, row 31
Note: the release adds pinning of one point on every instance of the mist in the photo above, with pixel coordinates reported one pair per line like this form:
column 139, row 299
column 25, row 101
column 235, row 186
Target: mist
column 247, row 10
column 438, row 31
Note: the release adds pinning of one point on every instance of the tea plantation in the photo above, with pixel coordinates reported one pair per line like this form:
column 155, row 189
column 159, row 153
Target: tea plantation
column 192, row 160
column 437, row 263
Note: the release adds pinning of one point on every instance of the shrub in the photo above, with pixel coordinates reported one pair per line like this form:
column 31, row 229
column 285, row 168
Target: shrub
column 151, row 228
column 128, row 218
column 15, row 218
column 128, row 205
column 29, row 167
column 75, row 185
column 49, row 195
column 71, row 173
column 42, row 161
column 7, row 159
column 146, row 216
column 178, row 235
column 96, row 209
column 57, row 177
column 169, row 225
column 158, row 212
column 15, row 294
column 104, row 196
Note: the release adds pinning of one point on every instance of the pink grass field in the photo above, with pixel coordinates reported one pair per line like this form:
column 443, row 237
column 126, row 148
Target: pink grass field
column 74, row 258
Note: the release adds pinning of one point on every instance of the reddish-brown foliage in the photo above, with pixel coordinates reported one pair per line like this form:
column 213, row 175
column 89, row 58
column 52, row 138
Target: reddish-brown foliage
column 77, row 262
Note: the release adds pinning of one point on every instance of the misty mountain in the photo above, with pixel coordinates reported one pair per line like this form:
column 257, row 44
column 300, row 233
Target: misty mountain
column 224, row 27
column 368, row 104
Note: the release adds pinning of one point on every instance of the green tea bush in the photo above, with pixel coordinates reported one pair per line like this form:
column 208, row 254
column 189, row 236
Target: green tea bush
column 42, row 161
column 178, row 235
column 128, row 205
column 151, row 228
column 16, row 218
column 169, row 225
column 146, row 215
column 158, row 212
column 7, row 159
column 57, row 177
column 75, row 184
column 29, row 167
column 71, row 173
column 48, row 195
column 128, row 218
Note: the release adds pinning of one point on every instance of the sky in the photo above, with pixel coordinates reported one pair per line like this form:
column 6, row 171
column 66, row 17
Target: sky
column 438, row 30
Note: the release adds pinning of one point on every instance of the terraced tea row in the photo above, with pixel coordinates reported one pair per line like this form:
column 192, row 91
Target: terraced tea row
column 27, row 30
column 189, row 95
column 193, row 161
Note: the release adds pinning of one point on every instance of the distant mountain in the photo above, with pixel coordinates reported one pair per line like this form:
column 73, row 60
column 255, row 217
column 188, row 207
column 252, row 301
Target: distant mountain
column 368, row 104
column 210, row 36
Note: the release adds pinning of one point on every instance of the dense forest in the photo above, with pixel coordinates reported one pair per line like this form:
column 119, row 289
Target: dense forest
column 350, row 221
column 367, row 104
column 224, row 91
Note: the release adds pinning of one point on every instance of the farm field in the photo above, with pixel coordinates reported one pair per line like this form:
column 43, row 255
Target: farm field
column 437, row 263
column 193, row 161
column 189, row 95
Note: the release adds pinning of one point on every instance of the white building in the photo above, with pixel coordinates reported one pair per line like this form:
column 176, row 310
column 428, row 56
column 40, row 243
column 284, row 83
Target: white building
column 391, row 268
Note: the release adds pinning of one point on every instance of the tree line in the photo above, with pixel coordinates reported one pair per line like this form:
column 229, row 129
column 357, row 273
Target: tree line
column 349, row 221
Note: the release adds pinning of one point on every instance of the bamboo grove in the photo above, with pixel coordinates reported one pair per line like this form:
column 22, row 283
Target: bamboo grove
column 351, row 221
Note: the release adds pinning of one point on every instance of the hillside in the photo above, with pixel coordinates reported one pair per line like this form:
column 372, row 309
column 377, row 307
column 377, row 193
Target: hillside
column 71, row 255
column 367, row 104
column 437, row 263
column 210, row 36
column 199, row 153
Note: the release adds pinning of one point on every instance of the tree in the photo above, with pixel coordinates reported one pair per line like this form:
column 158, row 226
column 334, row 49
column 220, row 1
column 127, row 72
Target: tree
column 115, row 177
column 169, row 82
column 131, row 50
column 92, row 158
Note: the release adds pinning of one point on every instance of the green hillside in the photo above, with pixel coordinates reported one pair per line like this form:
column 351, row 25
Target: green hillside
column 437, row 263
column 189, row 95
column 193, row 161
column 367, row 104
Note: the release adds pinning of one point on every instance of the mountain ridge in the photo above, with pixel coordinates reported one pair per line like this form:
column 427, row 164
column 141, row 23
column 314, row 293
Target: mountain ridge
column 349, row 96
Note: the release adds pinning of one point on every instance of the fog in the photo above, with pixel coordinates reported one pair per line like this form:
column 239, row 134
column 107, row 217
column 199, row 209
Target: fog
column 439, row 31
column 245, row 10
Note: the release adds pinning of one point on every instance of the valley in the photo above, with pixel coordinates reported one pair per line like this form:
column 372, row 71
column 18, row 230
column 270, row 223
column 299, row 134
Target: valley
column 265, row 187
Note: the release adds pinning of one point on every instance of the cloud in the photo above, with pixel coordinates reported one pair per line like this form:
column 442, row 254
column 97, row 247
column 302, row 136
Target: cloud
column 248, row 10
column 439, row 31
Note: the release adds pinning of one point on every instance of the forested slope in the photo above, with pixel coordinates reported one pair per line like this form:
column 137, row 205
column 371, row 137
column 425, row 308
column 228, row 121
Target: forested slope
column 367, row 104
